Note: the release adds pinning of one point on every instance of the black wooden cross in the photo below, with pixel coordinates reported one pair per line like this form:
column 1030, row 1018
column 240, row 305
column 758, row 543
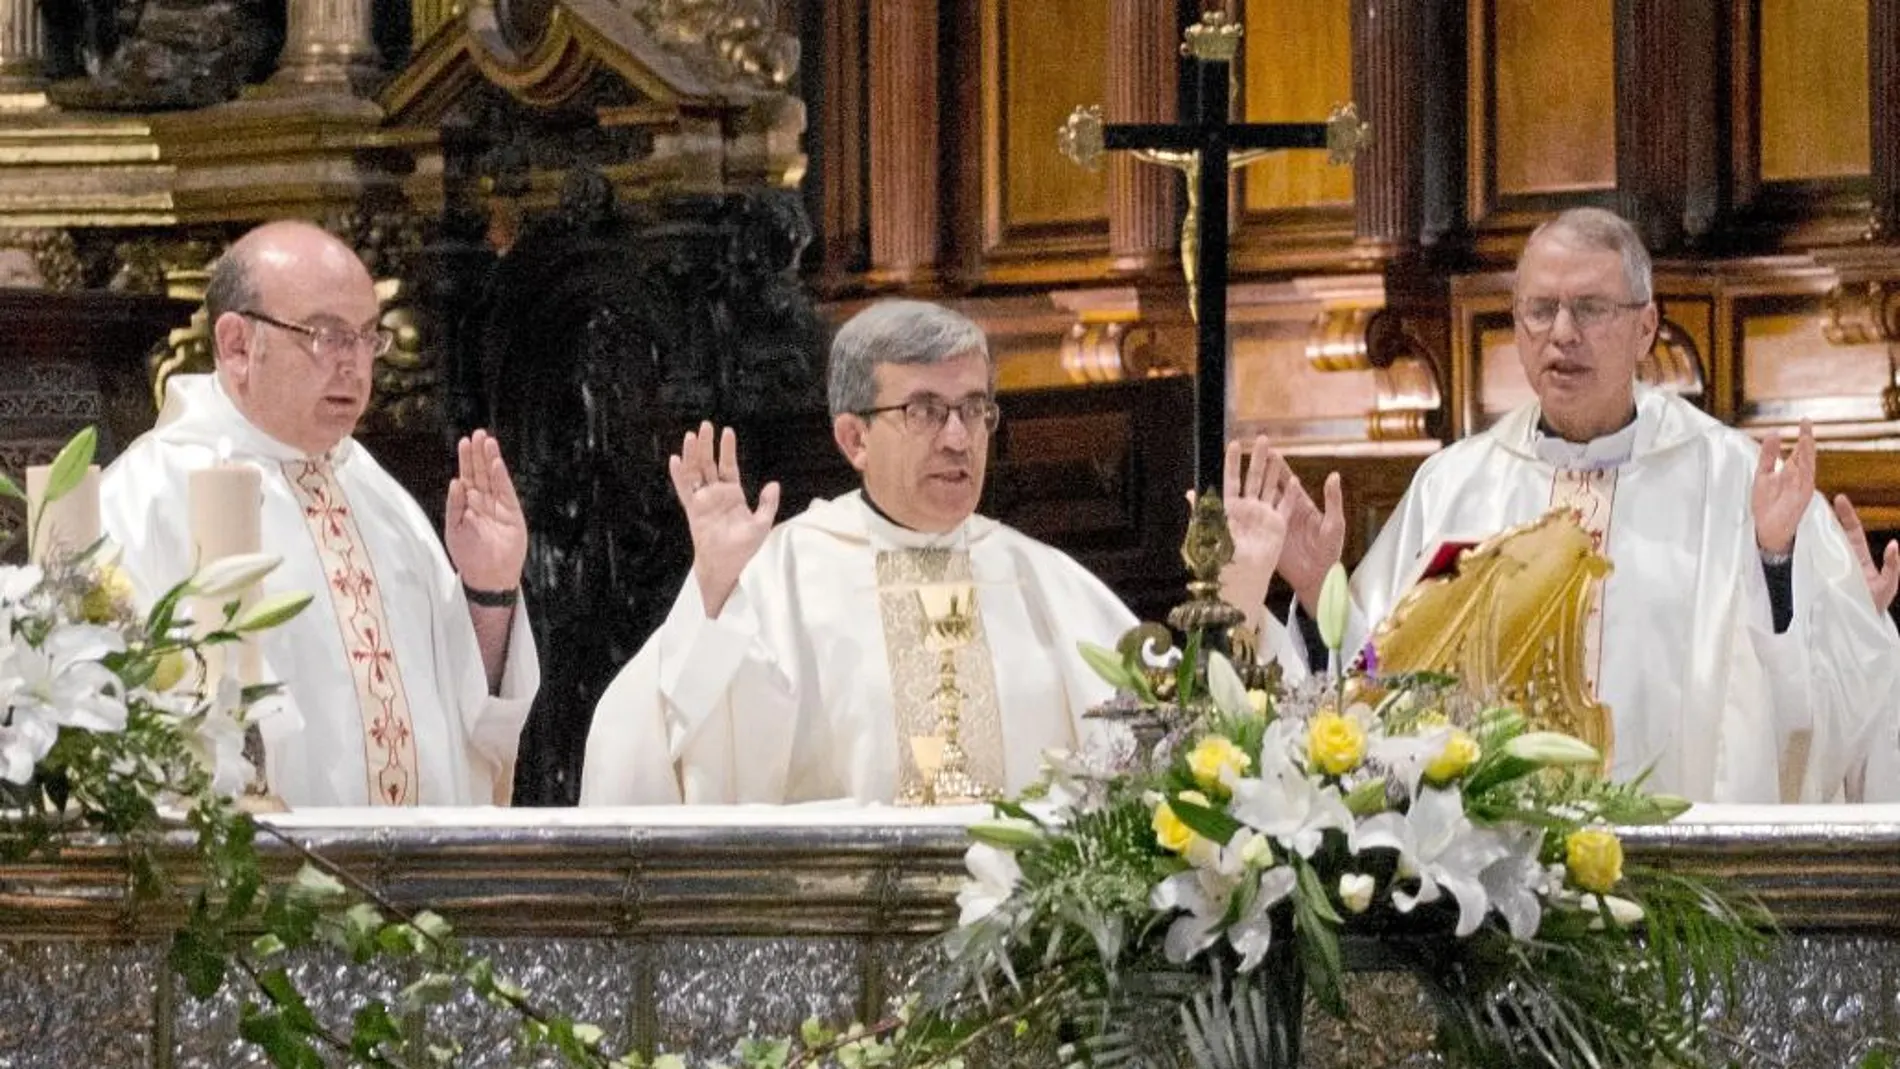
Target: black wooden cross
column 1206, row 148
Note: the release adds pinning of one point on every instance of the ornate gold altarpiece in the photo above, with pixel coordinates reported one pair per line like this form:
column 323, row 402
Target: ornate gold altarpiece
column 686, row 928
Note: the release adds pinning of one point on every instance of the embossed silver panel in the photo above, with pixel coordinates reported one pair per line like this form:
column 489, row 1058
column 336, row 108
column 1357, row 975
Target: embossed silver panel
column 588, row 980
column 711, row 993
column 77, row 1004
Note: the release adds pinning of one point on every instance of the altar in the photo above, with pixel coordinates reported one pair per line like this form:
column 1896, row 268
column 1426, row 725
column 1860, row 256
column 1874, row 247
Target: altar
column 687, row 929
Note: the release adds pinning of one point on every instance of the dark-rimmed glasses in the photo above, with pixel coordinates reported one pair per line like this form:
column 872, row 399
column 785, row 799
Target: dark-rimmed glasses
column 928, row 415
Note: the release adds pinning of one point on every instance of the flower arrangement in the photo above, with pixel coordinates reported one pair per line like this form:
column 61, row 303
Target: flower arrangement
column 1276, row 842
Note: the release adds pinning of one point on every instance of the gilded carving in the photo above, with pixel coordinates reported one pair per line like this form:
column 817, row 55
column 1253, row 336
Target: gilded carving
column 1673, row 362
column 1862, row 313
column 39, row 258
column 1510, row 622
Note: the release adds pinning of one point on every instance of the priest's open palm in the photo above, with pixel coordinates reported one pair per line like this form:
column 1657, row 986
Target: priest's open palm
column 1315, row 540
column 726, row 530
column 1257, row 510
column 1782, row 491
column 482, row 526
column 1883, row 576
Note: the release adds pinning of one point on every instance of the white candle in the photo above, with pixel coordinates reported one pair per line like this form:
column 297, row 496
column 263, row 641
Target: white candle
column 70, row 524
column 227, row 511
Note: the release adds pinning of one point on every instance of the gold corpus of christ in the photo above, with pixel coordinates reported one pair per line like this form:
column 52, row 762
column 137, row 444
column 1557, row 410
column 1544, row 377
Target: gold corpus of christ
column 1215, row 39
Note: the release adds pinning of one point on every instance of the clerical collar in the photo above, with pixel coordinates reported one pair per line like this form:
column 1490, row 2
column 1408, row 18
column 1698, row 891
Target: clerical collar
column 881, row 514
column 1598, row 454
column 909, row 537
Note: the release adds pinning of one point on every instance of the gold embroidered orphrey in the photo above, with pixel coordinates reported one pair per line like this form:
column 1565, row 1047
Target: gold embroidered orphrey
column 1511, row 622
column 916, row 665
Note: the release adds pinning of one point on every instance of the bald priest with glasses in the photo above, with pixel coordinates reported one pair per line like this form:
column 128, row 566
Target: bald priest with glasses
column 411, row 673
column 794, row 666
column 1736, row 640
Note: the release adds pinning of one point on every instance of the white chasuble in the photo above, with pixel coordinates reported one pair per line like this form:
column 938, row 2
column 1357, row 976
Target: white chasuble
column 389, row 738
column 788, row 695
column 383, row 674
column 1702, row 692
column 916, row 668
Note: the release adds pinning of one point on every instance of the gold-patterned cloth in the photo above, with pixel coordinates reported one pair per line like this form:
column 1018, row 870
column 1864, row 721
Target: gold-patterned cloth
column 389, row 737
column 1591, row 493
column 914, row 666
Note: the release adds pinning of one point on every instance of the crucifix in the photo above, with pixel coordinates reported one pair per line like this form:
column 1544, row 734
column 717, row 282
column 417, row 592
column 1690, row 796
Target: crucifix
column 1206, row 148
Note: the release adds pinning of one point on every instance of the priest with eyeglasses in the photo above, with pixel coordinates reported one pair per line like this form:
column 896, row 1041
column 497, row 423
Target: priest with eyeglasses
column 1736, row 641
column 410, row 674
column 794, row 665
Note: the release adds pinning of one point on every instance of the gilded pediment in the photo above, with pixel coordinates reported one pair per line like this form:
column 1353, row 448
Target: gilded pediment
column 721, row 54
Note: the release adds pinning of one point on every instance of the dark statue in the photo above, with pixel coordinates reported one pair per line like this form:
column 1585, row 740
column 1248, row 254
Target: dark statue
column 603, row 333
column 158, row 55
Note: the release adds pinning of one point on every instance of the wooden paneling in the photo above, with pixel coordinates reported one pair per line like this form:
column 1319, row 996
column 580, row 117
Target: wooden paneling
column 1813, row 89
column 1042, row 58
column 1297, row 67
column 1543, row 103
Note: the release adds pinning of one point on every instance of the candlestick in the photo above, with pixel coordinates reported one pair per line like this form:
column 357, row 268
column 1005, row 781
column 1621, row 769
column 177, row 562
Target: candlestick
column 69, row 524
column 226, row 504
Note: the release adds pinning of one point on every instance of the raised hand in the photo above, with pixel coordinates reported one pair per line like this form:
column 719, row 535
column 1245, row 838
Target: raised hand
column 726, row 531
column 1883, row 579
column 482, row 527
column 1257, row 511
column 1782, row 492
column 1315, row 540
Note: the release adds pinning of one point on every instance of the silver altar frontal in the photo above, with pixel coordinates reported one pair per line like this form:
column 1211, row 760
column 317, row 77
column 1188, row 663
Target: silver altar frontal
column 686, row 929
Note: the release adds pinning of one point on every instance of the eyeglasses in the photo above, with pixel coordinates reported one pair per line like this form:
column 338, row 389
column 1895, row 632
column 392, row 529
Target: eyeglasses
column 1540, row 313
column 928, row 415
column 333, row 343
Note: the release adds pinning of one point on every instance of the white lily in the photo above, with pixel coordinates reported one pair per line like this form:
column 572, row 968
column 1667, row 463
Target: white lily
column 216, row 738
column 1405, row 757
column 1439, row 845
column 994, row 876
column 1205, row 895
column 1286, row 805
column 62, row 681
column 1513, row 881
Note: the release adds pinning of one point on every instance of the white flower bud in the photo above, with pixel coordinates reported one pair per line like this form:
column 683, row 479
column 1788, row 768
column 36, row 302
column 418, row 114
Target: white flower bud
column 1552, row 748
column 1355, row 891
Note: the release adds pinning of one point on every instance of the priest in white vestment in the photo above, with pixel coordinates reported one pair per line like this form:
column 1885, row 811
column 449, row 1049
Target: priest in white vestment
column 793, row 665
column 1735, row 640
column 411, row 673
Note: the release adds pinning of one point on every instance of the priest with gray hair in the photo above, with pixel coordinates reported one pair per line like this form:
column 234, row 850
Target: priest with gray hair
column 1735, row 640
column 794, row 665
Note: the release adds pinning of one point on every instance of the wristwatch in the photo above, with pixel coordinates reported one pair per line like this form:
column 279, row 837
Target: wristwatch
column 492, row 599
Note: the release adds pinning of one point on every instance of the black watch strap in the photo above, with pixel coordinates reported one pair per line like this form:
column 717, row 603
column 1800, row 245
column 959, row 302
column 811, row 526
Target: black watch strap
column 492, row 599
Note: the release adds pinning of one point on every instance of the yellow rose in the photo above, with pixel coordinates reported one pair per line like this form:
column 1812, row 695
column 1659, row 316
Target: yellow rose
column 1595, row 859
column 1460, row 752
column 110, row 595
column 168, row 673
column 1214, row 755
column 1258, row 700
column 1169, row 831
column 1335, row 744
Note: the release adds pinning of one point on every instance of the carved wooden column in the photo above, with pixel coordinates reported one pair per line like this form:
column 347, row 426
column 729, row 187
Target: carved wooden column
column 1144, row 63
column 1408, row 80
column 903, row 137
column 22, row 48
column 327, row 48
column 1667, row 155
column 1387, row 173
column 1883, row 73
